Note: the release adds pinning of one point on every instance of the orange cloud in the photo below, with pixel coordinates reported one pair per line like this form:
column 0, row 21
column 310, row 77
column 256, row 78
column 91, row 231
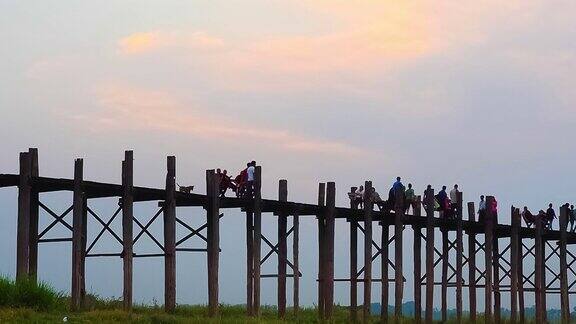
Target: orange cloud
column 125, row 107
column 143, row 42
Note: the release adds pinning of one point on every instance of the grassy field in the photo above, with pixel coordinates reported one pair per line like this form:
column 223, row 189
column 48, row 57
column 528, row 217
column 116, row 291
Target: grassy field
column 27, row 302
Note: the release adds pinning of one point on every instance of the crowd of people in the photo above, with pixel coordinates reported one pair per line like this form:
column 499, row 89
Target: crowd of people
column 548, row 217
column 242, row 185
column 445, row 203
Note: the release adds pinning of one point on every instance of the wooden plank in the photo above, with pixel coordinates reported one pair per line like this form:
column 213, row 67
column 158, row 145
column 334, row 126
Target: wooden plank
column 321, row 239
column 257, row 236
column 429, row 202
column 472, row 264
column 489, row 240
column 127, row 227
column 23, row 229
column 295, row 256
column 384, row 273
column 34, row 214
column 353, row 264
column 564, row 300
column 213, row 236
column 399, row 209
column 170, row 237
column 282, row 249
column 417, row 263
column 538, row 268
column 77, row 253
column 515, row 217
column 368, row 207
column 459, row 257
column 329, row 246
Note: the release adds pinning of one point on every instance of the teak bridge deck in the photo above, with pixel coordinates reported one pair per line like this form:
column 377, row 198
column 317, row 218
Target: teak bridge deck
column 503, row 268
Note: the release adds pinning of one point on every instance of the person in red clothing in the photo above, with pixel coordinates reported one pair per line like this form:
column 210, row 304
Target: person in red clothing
column 494, row 210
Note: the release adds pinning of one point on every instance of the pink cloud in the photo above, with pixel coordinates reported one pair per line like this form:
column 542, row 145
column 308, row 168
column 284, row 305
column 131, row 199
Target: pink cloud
column 143, row 42
column 125, row 107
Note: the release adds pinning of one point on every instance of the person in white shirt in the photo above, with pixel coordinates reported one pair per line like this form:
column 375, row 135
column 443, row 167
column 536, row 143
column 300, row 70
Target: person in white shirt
column 250, row 171
column 482, row 209
column 360, row 196
column 454, row 197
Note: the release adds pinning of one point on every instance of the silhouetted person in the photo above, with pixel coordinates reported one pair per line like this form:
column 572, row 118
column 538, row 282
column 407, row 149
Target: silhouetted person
column 572, row 218
column 410, row 199
column 482, row 210
column 550, row 215
column 454, row 196
column 528, row 217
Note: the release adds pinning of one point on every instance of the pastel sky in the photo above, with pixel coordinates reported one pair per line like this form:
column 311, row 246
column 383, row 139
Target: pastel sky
column 478, row 93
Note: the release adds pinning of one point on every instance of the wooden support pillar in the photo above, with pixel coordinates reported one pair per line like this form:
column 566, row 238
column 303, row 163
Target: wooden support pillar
column 544, row 284
column 444, row 284
column 496, row 269
column 34, row 213
column 514, row 258
column 295, row 253
column 249, row 262
column 519, row 262
column 384, row 256
column 329, row 234
column 472, row 264
column 368, row 206
column 321, row 258
column 353, row 264
column 170, row 237
column 459, row 257
column 417, row 263
column 213, row 236
column 398, row 253
column 83, row 255
column 538, row 268
column 77, row 229
column 429, row 202
column 127, row 226
column 489, row 240
column 564, row 300
column 257, row 236
column 23, row 229
column 282, row 249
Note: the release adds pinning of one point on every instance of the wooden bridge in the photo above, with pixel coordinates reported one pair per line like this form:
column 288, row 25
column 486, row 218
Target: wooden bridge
column 503, row 247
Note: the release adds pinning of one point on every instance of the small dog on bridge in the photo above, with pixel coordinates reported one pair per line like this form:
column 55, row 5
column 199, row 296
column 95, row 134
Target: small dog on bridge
column 185, row 189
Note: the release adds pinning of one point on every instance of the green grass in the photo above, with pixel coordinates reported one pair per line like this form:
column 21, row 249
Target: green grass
column 24, row 301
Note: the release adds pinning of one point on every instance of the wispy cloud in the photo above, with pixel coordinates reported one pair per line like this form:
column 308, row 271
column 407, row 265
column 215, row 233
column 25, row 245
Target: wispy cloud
column 144, row 42
column 125, row 107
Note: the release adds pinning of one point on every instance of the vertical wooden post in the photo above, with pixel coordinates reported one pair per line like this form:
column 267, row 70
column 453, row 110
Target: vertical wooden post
column 127, row 226
column 368, row 206
column 170, row 237
column 34, row 213
column 213, row 244
column 249, row 262
column 544, row 284
column 321, row 250
column 353, row 264
column 295, row 253
column 444, row 285
column 417, row 262
column 429, row 202
column 398, row 252
column 496, row 269
column 384, row 256
column 538, row 268
column 564, row 301
column 77, row 229
column 459, row 257
column 472, row 262
column 489, row 240
column 282, row 249
column 514, row 235
column 24, row 199
column 83, row 255
column 330, row 224
column 257, row 236
column 519, row 263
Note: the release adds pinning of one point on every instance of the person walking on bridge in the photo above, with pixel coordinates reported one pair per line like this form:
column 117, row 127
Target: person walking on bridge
column 454, row 196
column 572, row 218
column 410, row 199
column 527, row 217
column 482, row 210
column 550, row 215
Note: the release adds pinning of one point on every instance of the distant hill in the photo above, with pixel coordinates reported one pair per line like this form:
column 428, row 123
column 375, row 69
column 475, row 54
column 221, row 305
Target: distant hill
column 408, row 310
